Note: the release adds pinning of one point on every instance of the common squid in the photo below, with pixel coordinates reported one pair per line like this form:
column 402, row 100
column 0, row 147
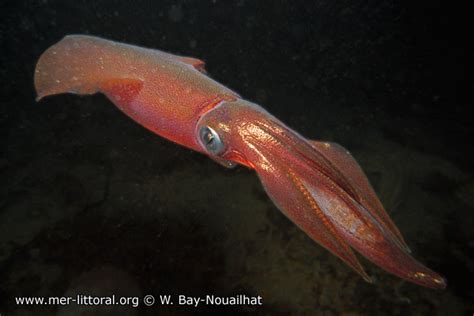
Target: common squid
column 318, row 185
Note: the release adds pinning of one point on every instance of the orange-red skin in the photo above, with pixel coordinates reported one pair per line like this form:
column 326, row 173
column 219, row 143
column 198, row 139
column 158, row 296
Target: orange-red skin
column 163, row 92
column 318, row 185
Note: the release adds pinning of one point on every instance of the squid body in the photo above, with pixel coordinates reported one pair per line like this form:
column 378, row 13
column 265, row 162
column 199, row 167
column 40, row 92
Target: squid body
column 317, row 185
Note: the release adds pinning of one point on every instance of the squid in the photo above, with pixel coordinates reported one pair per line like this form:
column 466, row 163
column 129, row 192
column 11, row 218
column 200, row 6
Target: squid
column 318, row 185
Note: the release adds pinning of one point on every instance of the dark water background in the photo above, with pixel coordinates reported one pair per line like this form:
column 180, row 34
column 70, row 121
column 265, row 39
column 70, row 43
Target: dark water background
column 92, row 202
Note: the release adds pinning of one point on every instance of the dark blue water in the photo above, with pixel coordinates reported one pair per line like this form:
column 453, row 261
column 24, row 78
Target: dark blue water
column 91, row 202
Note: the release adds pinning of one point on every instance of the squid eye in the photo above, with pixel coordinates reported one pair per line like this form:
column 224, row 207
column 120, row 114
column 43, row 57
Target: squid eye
column 211, row 140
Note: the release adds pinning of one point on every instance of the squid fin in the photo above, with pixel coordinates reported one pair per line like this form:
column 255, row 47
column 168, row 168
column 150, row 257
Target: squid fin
column 121, row 91
column 196, row 63
column 84, row 65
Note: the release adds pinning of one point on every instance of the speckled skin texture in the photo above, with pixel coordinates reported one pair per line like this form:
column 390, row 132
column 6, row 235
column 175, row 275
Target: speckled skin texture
column 319, row 186
column 164, row 93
